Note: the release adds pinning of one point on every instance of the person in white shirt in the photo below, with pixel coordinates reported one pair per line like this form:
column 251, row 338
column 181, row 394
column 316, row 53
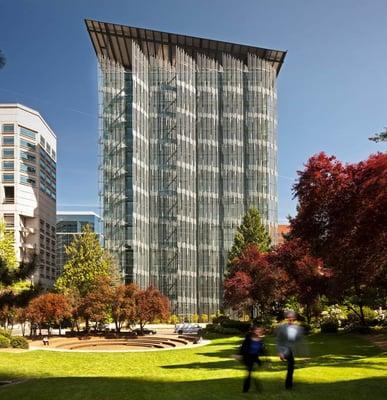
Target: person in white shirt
column 288, row 336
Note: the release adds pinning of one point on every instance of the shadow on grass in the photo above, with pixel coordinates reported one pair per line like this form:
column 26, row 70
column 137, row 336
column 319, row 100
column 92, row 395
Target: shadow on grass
column 324, row 352
column 277, row 365
column 103, row 388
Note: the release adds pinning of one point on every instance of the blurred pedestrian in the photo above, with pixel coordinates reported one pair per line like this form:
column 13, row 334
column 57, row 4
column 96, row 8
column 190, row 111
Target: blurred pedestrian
column 289, row 337
column 252, row 348
column 46, row 342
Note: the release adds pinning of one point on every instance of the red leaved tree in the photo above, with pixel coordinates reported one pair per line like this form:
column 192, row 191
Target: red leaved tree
column 259, row 283
column 96, row 304
column 123, row 306
column 237, row 290
column 150, row 305
column 308, row 279
column 341, row 215
column 48, row 309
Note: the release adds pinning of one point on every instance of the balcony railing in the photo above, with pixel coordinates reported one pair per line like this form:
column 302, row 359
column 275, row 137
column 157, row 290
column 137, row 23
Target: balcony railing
column 9, row 200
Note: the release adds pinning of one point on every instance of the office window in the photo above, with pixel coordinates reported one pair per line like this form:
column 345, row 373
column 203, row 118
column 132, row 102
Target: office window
column 8, row 178
column 9, row 220
column 25, row 180
column 53, row 154
column 8, row 141
column 27, row 145
column 42, row 141
column 8, row 153
column 8, row 165
column 28, row 168
column 27, row 156
column 9, row 192
column 8, row 128
column 27, row 132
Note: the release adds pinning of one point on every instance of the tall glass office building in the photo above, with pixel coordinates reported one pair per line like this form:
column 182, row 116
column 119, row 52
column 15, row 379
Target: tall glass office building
column 188, row 144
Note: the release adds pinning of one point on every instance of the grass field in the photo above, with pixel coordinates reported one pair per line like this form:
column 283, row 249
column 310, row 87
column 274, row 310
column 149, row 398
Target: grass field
column 341, row 367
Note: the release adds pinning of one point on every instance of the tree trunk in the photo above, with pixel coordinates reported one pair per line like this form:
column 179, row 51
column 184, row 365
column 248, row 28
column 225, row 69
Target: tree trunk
column 308, row 316
column 60, row 330
column 362, row 318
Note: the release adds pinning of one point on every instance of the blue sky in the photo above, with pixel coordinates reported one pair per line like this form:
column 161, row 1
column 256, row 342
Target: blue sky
column 332, row 89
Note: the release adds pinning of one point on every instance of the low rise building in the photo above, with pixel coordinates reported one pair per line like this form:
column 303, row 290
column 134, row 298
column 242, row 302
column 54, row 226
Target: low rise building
column 70, row 224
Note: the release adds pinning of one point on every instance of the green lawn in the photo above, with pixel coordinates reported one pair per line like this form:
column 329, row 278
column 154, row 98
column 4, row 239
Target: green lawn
column 341, row 367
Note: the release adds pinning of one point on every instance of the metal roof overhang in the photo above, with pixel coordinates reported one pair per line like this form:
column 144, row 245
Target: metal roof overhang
column 113, row 41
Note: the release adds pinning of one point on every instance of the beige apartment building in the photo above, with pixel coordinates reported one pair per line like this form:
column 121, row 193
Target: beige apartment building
column 28, row 186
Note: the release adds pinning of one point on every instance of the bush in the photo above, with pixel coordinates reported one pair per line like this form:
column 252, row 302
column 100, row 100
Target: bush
column 6, row 333
column 174, row 319
column 220, row 330
column 220, row 319
column 19, row 342
column 195, row 318
column 203, row 318
column 360, row 329
column 240, row 326
column 329, row 326
column 306, row 327
column 370, row 316
column 4, row 342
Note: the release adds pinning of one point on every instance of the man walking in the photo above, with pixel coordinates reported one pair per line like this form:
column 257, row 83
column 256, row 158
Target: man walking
column 250, row 351
column 289, row 336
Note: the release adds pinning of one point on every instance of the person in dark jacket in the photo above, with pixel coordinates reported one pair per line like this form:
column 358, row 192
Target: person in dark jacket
column 252, row 347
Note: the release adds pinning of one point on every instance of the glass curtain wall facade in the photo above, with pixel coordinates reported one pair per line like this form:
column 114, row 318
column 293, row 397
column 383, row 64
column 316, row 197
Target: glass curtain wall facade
column 188, row 144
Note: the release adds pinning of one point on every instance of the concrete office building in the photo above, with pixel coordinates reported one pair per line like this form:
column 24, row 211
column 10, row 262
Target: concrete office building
column 70, row 224
column 188, row 144
column 28, row 186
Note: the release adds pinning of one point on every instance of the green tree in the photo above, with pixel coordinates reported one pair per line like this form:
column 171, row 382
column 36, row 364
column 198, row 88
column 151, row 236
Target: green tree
column 251, row 231
column 11, row 271
column 2, row 59
column 7, row 248
column 87, row 261
column 379, row 137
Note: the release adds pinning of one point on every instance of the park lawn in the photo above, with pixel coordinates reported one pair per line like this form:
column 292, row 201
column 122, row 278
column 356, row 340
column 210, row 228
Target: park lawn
column 341, row 367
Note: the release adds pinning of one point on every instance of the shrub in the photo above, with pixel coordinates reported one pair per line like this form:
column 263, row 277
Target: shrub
column 360, row 329
column 4, row 342
column 6, row 333
column 174, row 319
column 240, row 326
column 203, row 318
column 306, row 327
column 213, row 318
column 370, row 316
column 329, row 326
column 195, row 318
column 218, row 319
column 228, row 331
column 220, row 330
column 19, row 342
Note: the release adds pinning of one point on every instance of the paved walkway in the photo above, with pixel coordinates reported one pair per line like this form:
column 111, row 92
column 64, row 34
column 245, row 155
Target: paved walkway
column 378, row 340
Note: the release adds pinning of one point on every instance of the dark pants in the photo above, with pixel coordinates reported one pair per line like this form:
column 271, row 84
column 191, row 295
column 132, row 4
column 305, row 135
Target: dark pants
column 289, row 375
column 249, row 362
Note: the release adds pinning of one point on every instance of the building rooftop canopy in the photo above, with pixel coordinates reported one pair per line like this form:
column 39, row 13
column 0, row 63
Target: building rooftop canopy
column 113, row 41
